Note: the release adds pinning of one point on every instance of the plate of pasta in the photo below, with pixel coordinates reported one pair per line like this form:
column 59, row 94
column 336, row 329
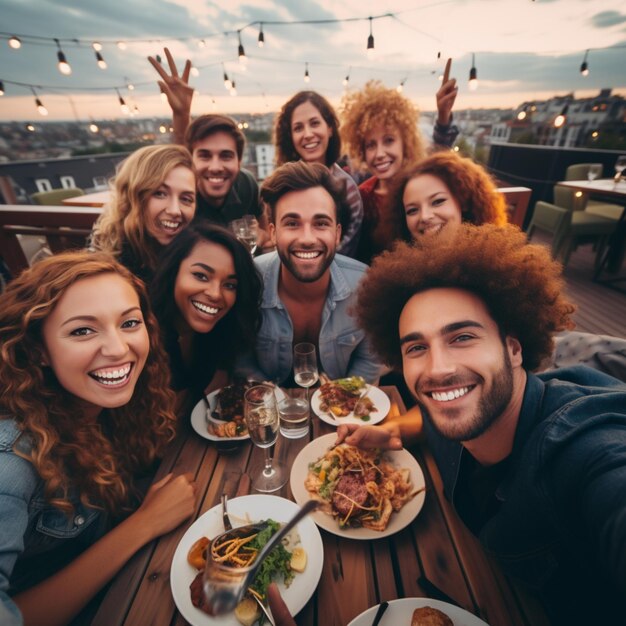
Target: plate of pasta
column 243, row 510
column 366, row 494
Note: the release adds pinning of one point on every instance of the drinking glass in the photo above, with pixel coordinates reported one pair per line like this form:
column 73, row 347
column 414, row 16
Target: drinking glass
column 620, row 166
column 305, row 365
column 261, row 416
column 592, row 173
column 246, row 230
column 294, row 414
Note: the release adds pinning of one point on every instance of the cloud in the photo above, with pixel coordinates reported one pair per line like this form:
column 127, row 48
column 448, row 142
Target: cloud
column 606, row 19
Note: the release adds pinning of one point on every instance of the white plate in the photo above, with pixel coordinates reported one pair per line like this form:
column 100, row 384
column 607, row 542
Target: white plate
column 376, row 395
column 255, row 507
column 401, row 611
column 199, row 416
column 399, row 519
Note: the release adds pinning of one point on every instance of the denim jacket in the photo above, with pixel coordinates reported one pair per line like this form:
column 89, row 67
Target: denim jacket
column 560, row 523
column 29, row 526
column 342, row 346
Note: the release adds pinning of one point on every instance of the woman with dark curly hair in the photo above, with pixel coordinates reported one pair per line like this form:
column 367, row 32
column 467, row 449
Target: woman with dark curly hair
column 447, row 189
column 206, row 295
column 379, row 128
column 154, row 198
column 307, row 128
column 84, row 410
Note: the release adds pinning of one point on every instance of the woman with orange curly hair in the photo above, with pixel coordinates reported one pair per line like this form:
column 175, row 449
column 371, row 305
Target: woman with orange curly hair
column 84, row 410
column 154, row 198
column 379, row 129
column 447, row 189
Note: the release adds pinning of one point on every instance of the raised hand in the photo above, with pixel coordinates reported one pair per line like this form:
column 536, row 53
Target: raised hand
column 176, row 88
column 386, row 437
column 446, row 96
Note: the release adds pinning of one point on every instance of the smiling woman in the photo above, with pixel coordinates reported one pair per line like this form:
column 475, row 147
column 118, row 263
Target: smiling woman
column 84, row 409
column 206, row 295
column 154, row 199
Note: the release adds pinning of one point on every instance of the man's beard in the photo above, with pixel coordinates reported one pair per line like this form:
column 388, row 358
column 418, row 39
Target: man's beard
column 306, row 277
column 490, row 406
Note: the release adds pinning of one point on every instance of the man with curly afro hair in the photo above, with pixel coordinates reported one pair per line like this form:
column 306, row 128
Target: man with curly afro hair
column 535, row 465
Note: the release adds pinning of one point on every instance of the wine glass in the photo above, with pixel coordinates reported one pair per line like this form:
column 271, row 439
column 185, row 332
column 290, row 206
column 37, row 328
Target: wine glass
column 593, row 173
column 261, row 417
column 620, row 166
column 305, row 365
column 246, row 229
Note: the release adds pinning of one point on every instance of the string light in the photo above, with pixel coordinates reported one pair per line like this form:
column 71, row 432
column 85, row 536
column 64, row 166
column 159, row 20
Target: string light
column 560, row 119
column 307, row 78
column 102, row 64
column 240, row 51
column 370, row 43
column 93, row 127
column 584, row 67
column 63, row 65
column 261, row 39
column 129, row 85
column 122, row 45
column 227, row 82
column 97, row 46
column 233, row 89
column 162, row 129
column 194, row 71
column 30, row 128
column 473, row 75
column 201, row 43
column 122, row 102
column 1, row 88
column 15, row 43
column 522, row 113
column 400, row 87
column 39, row 104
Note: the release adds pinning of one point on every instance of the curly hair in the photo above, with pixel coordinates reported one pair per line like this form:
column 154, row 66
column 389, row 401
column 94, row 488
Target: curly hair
column 69, row 451
column 123, row 220
column 236, row 332
column 376, row 105
column 470, row 184
column 285, row 150
column 519, row 283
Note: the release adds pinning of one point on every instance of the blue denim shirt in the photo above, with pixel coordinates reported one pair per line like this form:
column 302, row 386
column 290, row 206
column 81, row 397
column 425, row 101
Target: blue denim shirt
column 342, row 347
column 29, row 526
column 560, row 522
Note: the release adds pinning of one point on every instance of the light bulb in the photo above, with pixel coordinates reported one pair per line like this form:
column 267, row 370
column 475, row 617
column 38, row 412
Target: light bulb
column 30, row 128
column 195, row 71
column 122, row 45
column 233, row 89
column 40, row 107
column 130, row 87
column 559, row 120
column 15, row 43
column 97, row 46
column 93, row 127
column 63, row 65
column 201, row 43
column 102, row 64
column 162, row 129
column 261, row 39
column 521, row 115
column 1, row 88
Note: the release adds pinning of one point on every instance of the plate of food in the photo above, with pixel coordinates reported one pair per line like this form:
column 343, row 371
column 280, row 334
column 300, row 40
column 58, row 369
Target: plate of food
column 306, row 540
column 419, row 612
column 219, row 416
column 366, row 494
column 350, row 401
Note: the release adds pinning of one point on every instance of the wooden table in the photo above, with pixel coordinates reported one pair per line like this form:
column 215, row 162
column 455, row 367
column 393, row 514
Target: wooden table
column 607, row 189
column 96, row 199
column 356, row 574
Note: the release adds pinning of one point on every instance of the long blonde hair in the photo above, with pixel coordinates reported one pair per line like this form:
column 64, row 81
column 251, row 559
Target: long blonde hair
column 123, row 220
column 69, row 450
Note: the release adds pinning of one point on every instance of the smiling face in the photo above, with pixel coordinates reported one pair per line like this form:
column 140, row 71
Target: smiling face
column 306, row 233
column 383, row 149
column 172, row 206
column 206, row 286
column 429, row 206
column 310, row 133
column 217, row 166
column 455, row 362
column 96, row 342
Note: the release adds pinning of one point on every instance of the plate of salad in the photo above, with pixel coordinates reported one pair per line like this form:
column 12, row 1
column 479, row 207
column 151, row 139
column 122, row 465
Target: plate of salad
column 350, row 401
column 244, row 510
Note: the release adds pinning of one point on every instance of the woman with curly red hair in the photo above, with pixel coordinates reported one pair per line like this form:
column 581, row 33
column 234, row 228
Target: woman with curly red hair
column 447, row 189
column 84, row 411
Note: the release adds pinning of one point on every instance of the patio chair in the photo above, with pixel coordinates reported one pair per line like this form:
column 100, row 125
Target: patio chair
column 580, row 171
column 570, row 227
column 55, row 196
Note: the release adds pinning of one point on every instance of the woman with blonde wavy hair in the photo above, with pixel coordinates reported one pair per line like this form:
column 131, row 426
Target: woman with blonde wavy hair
column 154, row 198
column 85, row 409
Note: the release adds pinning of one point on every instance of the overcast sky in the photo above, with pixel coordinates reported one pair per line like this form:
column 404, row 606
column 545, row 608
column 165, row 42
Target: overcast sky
column 524, row 49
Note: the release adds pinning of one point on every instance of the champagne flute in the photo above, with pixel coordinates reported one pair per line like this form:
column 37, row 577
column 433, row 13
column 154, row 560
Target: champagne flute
column 246, row 230
column 261, row 417
column 305, row 365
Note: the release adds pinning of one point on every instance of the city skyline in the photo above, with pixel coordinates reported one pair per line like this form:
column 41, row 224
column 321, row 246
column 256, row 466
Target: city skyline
column 523, row 50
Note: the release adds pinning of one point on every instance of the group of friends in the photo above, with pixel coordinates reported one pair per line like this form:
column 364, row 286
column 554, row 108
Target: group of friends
column 413, row 271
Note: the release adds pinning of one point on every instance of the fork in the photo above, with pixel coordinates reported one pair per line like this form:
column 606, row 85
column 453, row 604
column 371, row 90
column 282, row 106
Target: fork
column 263, row 608
column 225, row 517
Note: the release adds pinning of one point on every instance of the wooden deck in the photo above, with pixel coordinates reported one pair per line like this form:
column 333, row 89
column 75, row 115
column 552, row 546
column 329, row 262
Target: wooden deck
column 601, row 310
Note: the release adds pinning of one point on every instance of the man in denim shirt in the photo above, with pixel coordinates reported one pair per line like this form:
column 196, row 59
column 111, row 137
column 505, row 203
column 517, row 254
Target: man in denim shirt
column 308, row 289
column 535, row 465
